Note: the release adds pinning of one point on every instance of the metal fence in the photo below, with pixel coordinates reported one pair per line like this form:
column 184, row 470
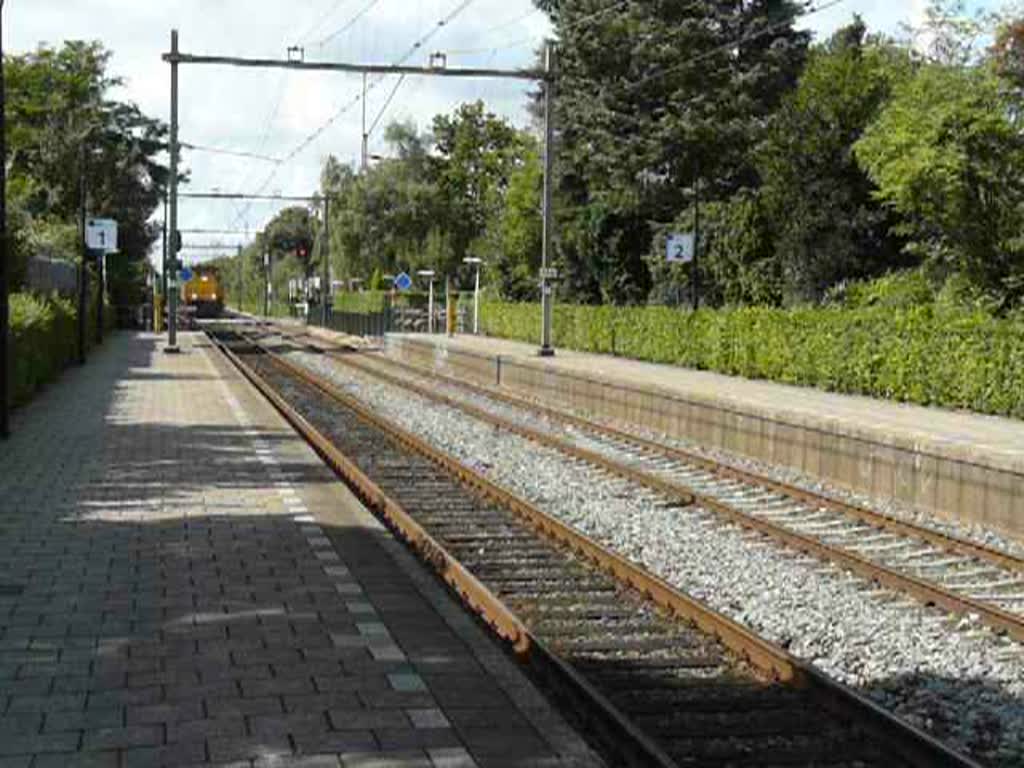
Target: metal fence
column 387, row 320
column 51, row 276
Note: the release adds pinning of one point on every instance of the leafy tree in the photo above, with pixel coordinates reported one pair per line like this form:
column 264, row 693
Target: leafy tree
column 828, row 225
column 292, row 232
column 513, row 239
column 949, row 35
column 1007, row 54
column 476, row 153
column 652, row 96
column 946, row 156
column 61, row 123
column 737, row 264
column 437, row 197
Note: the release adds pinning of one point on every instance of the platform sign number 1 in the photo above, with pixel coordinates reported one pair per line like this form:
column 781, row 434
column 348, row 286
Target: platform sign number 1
column 101, row 235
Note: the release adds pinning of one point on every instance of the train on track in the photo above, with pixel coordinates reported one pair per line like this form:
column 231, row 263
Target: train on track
column 203, row 293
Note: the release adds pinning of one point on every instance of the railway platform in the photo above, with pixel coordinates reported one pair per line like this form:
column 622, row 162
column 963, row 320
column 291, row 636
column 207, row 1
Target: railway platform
column 959, row 466
column 183, row 582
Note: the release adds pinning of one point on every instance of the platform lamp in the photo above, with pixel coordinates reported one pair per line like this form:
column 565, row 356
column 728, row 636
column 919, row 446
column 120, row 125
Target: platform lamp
column 429, row 274
column 475, row 261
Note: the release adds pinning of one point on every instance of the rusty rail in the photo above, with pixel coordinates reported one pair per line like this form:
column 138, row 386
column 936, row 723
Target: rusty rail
column 913, row 745
column 906, row 528
column 925, row 591
column 620, row 734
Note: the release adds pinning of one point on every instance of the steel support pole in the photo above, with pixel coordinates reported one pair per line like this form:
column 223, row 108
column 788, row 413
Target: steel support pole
column 163, row 258
column 5, row 320
column 266, row 283
column 101, row 280
column 694, row 274
column 172, row 297
column 546, row 350
column 325, row 256
column 365, row 157
column 83, row 274
column 476, row 302
column 241, row 279
column 430, row 307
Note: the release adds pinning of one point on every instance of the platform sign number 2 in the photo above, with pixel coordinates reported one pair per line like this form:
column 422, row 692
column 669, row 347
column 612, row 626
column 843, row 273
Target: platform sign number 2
column 679, row 247
column 101, row 235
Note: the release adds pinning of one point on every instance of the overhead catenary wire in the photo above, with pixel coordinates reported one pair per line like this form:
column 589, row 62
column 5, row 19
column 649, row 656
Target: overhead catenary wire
column 349, row 23
column 229, row 152
column 384, row 109
column 524, row 41
column 412, row 49
column 315, row 27
column 319, row 131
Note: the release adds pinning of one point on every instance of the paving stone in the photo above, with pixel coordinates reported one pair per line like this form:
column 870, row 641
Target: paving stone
column 387, row 759
column 451, row 758
column 244, row 748
column 299, row 761
column 58, row 703
column 373, row 719
column 125, row 696
column 185, row 753
column 306, row 722
column 406, row 681
column 178, row 608
column 123, row 738
column 428, row 718
column 276, row 687
column 321, row 701
column 165, row 713
column 335, row 741
column 266, row 705
column 34, row 743
column 15, row 724
column 77, row 760
column 402, row 699
column 111, row 717
column 197, row 730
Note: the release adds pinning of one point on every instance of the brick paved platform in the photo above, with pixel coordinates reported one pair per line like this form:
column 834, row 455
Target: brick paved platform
column 182, row 582
column 959, row 465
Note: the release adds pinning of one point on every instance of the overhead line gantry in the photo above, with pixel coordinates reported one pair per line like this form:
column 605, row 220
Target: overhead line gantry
column 546, row 76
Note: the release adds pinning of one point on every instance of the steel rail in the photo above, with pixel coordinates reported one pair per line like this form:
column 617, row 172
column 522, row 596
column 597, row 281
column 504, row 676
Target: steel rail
column 620, row 735
column 905, row 528
column 925, row 591
column 913, row 745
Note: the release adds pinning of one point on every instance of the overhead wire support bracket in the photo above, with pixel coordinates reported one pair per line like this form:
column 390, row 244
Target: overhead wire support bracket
column 373, row 69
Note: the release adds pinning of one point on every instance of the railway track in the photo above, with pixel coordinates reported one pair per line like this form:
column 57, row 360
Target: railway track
column 659, row 678
column 963, row 577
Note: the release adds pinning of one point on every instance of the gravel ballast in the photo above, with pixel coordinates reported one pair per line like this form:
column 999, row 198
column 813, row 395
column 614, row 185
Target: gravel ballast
column 956, row 679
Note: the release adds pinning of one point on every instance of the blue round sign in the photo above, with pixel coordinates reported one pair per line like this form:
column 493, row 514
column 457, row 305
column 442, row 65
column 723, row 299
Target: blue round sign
column 403, row 282
column 186, row 274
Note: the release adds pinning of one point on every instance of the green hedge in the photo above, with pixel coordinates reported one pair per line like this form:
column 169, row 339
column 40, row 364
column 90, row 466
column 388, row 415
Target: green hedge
column 361, row 301
column 44, row 340
column 952, row 358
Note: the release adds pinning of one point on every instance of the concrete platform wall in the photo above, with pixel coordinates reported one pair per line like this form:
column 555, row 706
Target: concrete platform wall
column 969, row 489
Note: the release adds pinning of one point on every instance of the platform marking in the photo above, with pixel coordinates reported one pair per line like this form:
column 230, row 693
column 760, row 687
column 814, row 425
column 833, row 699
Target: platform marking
column 427, row 718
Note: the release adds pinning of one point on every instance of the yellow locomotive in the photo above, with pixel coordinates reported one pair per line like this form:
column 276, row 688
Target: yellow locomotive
column 203, row 293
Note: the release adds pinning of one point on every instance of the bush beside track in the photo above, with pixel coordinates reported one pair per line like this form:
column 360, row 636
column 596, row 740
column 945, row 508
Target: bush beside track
column 44, row 340
column 924, row 354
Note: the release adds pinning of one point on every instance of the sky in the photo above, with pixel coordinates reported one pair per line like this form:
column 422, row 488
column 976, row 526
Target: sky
column 272, row 112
